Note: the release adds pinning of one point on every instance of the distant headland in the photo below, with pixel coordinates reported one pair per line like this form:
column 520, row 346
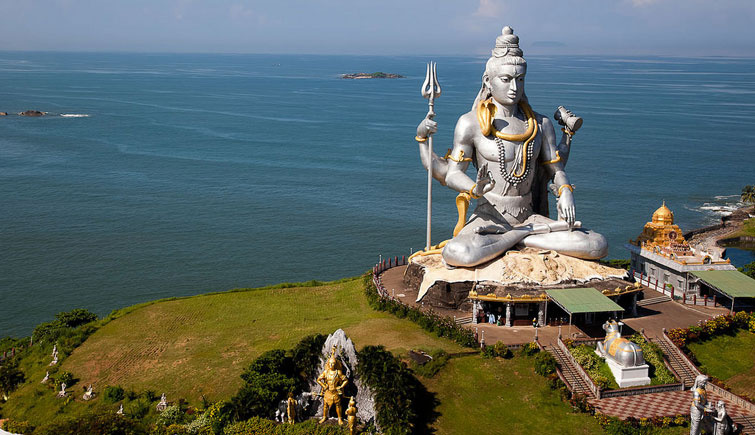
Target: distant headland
column 375, row 75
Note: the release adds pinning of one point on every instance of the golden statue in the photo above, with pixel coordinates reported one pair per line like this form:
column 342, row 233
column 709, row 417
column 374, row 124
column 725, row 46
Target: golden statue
column 291, row 408
column 351, row 415
column 332, row 380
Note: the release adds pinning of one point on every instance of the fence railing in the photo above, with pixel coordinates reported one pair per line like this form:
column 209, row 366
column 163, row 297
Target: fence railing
column 676, row 295
column 580, row 371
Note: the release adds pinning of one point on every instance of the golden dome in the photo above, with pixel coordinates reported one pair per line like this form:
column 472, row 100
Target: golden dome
column 663, row 215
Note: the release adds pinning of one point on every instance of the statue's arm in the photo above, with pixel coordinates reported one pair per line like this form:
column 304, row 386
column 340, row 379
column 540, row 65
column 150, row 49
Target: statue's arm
column 440, row 166
column 554, row 167
column 461, row 154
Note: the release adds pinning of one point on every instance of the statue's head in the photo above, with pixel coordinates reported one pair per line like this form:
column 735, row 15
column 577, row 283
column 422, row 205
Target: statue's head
column 701, row 381
column 505, row 70
column 333, row 360
column 352, row 402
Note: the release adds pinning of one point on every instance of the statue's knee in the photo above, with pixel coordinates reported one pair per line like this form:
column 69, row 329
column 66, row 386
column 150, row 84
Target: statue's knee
column 597, row 245
column 457, row 254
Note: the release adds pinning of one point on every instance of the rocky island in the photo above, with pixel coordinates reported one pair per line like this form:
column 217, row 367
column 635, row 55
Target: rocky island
column 375, row 75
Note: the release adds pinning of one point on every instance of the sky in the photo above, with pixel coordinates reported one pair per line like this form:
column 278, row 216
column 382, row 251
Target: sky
column 375, row 27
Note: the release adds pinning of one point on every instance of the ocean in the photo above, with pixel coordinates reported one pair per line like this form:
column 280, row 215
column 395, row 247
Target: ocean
column 161, row 175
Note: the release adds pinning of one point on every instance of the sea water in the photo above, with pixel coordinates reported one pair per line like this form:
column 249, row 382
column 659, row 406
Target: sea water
column 159, row 175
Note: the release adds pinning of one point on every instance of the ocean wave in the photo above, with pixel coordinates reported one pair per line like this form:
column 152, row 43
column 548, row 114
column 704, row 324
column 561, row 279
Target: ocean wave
column 74, row 115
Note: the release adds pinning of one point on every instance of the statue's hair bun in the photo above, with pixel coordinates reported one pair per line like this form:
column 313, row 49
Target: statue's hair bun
column 507, row 44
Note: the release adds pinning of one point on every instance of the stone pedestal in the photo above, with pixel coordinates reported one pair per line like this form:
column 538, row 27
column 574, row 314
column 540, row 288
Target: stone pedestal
column 629, row 376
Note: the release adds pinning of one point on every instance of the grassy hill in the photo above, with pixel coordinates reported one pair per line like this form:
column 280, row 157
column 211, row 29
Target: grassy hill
column 199, row 345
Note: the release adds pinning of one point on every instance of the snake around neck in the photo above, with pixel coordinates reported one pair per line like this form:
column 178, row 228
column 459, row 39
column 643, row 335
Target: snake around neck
column 485, row 116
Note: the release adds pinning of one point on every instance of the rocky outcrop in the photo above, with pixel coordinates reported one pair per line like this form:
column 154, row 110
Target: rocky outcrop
column 32, row 113
column 375, row 75
column 520, row 273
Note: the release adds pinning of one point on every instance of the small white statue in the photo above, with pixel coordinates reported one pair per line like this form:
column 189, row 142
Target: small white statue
column 54, row 360
column 62, row 392
column 54, row 354
column 163, row 404
column 120, row 410
column 723, row 424
column 89, row 393
column 46, row 378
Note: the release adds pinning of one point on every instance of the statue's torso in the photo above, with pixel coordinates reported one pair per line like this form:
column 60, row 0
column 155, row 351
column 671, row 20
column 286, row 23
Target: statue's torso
column 513, row 202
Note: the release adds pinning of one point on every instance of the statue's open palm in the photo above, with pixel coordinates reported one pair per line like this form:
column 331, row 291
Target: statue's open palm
column 485, row 182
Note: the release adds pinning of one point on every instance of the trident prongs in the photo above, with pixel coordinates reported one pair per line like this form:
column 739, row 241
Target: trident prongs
column 431, row 87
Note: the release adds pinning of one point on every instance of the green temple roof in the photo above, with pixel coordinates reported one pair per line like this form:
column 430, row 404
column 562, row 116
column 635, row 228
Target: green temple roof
column 732, row 283
column 582, row 300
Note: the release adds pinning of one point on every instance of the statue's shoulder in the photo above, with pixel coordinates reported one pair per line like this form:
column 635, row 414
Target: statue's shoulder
column 468, row 125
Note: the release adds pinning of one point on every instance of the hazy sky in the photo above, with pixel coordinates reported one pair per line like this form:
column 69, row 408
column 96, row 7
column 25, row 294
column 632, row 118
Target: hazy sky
column 668, row 27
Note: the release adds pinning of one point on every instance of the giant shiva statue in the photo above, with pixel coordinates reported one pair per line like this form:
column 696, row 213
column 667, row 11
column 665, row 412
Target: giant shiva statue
column 514, row 150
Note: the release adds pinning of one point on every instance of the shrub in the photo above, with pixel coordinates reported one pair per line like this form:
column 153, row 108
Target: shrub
column 138, row 408
column 497, row 350
column 399, row 396
column 113, row 394
column 258, row 425
column 10, row 376
column 579, row 403
column 432, row 367
column 545, row 364
column 530, row 349
column 15, row 426
column 75, row 318
column 106, row 423
column 63, row 378
column 173, row 414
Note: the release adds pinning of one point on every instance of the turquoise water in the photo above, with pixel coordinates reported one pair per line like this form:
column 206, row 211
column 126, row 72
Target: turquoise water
column 196, row 173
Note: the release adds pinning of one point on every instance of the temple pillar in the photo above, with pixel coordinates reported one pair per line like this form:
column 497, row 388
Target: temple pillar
column 508, row 314
column 475, row 310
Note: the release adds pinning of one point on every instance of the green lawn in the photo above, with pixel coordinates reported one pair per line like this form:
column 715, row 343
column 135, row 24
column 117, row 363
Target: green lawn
column 501, row 396
column 730, row 358
column 748, row 228
column 200, row 345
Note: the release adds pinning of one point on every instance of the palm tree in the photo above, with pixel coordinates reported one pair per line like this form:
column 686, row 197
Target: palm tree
column 748, row 194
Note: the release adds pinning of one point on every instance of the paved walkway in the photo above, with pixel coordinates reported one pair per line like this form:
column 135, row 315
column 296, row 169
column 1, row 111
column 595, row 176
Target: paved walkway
column 656, row 405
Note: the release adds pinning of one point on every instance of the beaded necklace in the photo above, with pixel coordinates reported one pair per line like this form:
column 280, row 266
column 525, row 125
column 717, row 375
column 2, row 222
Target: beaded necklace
column 485, row 115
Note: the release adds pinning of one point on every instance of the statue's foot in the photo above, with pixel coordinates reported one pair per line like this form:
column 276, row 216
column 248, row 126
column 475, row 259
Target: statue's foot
column 323, row 420
column 340, row 422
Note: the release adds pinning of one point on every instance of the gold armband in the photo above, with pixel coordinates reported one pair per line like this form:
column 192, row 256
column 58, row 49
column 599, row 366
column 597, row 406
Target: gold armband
column 569, row 132
column 471, row 192
column 461, row 158
column 420, row 139
column 556, row 160
column 565, row 186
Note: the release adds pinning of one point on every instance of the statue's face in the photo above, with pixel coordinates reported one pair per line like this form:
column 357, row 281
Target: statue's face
column 506, row 83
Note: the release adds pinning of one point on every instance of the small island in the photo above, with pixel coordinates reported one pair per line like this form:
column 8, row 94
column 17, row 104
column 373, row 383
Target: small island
column 375, row 75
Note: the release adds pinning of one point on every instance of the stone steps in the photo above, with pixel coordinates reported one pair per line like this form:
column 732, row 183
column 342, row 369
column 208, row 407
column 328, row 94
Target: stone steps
column 676, row 362
column 747, row 422
column 651, row 301
column 575, row 382
column 463, row 320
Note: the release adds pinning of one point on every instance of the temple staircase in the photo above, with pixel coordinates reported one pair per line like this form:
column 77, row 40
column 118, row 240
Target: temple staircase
column 676, row 361
column 651, row 301
column 573, row 381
